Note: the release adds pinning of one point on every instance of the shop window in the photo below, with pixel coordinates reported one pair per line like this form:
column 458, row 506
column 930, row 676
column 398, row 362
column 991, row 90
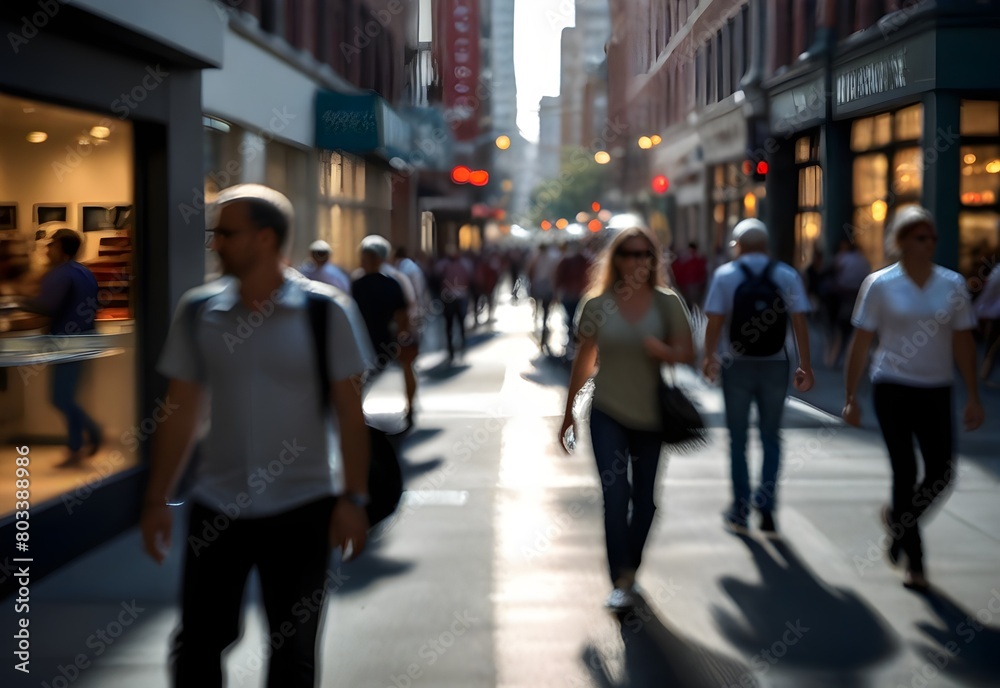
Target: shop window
column 808, row 217
column 909, row 124
column 343, row 224
column 67, row 169
column 978, row 244
column 980, row 118
column 907, row 172
column 980, row 178
column 871, row 187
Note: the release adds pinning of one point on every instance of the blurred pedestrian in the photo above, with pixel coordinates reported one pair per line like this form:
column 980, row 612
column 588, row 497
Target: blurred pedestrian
column 320, row 268
column 266, row 404
column 384, row 305
column 691, row 272
column 634, row 325
column 454, row 275
column 69, row 298
column 415, row 274
column 755, row 299
column 541, row 289
column 572, row 274
column 923, row 317
column 988, row 311
column 850, row 268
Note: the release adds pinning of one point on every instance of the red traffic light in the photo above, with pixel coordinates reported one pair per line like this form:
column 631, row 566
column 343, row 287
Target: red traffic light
column 762, row 167
column 479, row 178
column 461, row 174
column 661, row 184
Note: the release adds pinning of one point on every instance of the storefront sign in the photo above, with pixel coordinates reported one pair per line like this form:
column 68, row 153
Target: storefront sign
column 798, row 108
column 724, row 138
column 886, row 73
column 459, row 60
column 360, row 124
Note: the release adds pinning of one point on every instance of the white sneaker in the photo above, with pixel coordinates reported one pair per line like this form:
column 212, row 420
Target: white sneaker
column 620, row 600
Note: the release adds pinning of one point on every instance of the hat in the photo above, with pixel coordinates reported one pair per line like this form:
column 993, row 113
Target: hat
column 906, row 218
column 319, row 246
column 749, row 231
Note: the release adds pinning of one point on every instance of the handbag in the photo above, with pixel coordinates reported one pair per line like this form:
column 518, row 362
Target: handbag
column 682, row 427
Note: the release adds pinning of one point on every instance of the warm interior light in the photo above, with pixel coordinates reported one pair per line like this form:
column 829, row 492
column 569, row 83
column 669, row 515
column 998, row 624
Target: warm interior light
column 602, row 157
column 879, row 210
column 811, row 230
column 36, row 136
column 750, row 203
column 993, row 166
column 970, row 159
column 562, row 223
column 100, row 132
column 645, row 143
column 655, row 138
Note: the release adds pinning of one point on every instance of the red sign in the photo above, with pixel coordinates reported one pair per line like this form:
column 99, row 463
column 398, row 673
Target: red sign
column 458, row 24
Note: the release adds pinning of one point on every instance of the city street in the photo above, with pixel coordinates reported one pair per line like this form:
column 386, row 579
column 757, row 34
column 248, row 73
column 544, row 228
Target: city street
column 493, row 572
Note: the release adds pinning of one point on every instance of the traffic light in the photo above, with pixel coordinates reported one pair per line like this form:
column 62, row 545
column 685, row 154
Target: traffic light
column 760, row 171
column 479, row 178
column 660, row 184
column 460, row 174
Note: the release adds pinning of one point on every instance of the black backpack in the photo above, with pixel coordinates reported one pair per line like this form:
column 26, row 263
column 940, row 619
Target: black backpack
column 759, row 321
column 385, row 477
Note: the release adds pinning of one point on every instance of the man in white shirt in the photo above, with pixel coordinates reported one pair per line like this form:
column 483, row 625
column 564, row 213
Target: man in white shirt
column 755, row 298
column 321, row 269
column 282, row 480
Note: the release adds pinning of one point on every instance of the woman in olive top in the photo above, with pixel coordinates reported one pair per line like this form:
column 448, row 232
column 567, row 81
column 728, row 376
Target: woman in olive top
column 635, row 325
column 923, row 317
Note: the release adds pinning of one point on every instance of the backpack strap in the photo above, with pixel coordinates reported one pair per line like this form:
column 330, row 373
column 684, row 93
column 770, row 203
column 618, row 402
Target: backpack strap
column 318, row 307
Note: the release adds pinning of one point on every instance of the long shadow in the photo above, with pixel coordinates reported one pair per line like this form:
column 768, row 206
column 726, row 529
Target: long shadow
column 966, row 648
column 794, row 622
column 657, row 655
column 411, row 471
column 549, row 371
column 419, row 435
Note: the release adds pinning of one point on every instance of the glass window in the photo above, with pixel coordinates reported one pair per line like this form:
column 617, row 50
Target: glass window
column 802, row 149
column 808, row 230
column 811, row 187
column 74, row 171
column 980, row 178
column 910, row 123
column 870, row 178
column 882, row 130
column 868, row 232
column 862, row 134
column 978, row 242
column 907, row 172
column 980, row 118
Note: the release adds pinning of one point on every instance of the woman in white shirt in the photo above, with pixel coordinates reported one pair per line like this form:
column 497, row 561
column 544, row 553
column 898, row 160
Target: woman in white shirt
column 923, row 317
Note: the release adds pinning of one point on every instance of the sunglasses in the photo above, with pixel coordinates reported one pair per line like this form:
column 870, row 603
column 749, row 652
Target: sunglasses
column 638, row 255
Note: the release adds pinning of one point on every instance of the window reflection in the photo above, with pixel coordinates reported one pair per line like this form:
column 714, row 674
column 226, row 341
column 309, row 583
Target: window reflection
column 980, row 118
column 907, row 172
column 980, row 178
column 978, row 243
column 909, row 123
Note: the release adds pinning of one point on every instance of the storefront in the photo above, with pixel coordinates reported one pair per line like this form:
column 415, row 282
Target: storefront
column 104, row 141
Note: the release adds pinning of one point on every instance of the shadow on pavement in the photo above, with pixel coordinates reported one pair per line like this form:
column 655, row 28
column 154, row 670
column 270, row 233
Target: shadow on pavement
column 418, row 435
column 656, row 655
column 415, row 470
column 967, row 648
column 444, row 371
column 549, row 371
column 793, row 621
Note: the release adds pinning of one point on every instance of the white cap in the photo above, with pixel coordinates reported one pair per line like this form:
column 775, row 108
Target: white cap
column 748, row 231
column 319, row 246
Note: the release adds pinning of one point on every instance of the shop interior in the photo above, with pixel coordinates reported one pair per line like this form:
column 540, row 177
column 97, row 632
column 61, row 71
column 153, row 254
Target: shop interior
column 59, row 168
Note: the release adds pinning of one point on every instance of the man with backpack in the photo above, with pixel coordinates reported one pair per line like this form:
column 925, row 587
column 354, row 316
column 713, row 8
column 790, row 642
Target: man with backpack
column 283, row 476
column 750, row 305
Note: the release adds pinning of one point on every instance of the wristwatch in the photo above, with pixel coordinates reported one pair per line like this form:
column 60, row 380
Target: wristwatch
column 357, row 499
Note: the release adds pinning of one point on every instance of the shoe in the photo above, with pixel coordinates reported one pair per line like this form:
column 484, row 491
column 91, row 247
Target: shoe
column 895, row 545
column 620, row 600
column 767, row 524
column 734, row 523
column 95, row 444
column 916, row 580
column 74, row 460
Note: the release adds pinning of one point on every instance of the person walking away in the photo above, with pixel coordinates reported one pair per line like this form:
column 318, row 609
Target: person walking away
column 541, row 276
column 571, row 283
column 267, row 409
column 454, row 276
column 634, row 325
column 850, row 269
column 68, row 297
column 691, row 274
column 415, row 275
column 382, row 300
column 923, row 317
column 750, row 300
column 988, row 310
column 320, row 268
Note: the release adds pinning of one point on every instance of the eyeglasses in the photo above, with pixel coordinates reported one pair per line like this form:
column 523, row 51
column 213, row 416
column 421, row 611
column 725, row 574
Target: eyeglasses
column 210, row 234
column 637, row 255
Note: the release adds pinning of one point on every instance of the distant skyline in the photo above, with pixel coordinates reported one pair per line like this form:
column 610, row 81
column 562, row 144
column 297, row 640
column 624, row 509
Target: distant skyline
column 538, row 26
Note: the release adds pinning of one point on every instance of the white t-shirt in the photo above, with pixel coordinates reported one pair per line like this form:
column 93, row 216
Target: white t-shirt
column 722, row 292
column 914, row 325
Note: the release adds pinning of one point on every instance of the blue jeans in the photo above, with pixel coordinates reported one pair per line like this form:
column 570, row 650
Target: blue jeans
column 766, row 384
column 615, row 446
column 65, row 379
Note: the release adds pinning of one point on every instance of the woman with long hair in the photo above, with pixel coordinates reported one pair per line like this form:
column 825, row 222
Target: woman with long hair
column 635, row 324
column 923, row 317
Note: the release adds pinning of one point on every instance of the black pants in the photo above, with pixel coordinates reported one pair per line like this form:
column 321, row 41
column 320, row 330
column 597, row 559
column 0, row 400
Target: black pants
column 904, row 412
column 291, row 552
column 454, row 312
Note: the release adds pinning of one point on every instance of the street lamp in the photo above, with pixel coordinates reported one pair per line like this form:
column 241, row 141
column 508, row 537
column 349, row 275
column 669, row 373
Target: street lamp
column 503, row 142
column 602, row 157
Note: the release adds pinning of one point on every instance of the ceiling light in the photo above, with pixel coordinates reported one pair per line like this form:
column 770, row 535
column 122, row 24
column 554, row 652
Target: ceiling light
column 100, row 132
column 36, row 136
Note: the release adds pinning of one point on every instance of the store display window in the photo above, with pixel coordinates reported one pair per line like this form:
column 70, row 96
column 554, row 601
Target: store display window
column 67, row 368
column 979, row 190
column 809, row 214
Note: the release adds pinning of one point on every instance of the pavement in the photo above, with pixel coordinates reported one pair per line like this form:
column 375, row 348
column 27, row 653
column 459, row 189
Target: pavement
column 493, row 571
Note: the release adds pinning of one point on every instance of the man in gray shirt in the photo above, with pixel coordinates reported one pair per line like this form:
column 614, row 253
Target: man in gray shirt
column 269, row 491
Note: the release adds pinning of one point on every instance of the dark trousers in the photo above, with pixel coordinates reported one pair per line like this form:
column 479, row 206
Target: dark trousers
column 903, row 413
column 454, row 311
column 291, row 551
column 65, row 380
column 615, row 447
column 570, row 304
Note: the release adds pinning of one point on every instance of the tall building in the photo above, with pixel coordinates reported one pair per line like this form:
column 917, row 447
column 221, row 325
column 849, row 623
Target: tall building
column 549, row 136
column 823, row 118
column 583, row 54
